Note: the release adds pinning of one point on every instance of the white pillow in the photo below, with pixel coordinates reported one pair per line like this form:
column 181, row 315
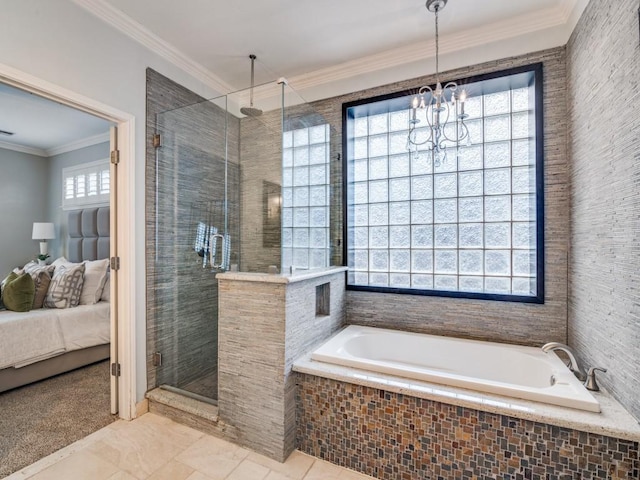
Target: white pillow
column 60, row 261
column 95, row 276
column 106, row 290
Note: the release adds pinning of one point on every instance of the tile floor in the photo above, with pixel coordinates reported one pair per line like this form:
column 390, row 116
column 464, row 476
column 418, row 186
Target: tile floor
column 156, row 448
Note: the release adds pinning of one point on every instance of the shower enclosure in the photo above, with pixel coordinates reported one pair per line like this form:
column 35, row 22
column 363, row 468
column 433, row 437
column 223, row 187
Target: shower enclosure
column 239, row 192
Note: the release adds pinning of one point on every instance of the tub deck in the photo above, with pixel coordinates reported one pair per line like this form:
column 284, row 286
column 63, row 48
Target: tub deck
column 613, row 420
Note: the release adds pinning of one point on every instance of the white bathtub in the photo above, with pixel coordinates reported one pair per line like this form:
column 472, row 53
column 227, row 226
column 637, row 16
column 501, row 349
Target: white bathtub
column 510, row 370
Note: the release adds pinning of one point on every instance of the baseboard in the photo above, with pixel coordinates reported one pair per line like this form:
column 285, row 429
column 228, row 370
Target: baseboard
column 142, row 407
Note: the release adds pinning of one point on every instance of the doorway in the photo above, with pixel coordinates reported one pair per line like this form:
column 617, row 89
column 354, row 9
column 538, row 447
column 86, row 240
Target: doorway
column 122, row 393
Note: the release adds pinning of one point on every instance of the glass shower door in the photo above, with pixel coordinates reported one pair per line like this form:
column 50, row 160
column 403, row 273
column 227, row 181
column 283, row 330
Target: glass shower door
column 196, row 214
column 216, row 164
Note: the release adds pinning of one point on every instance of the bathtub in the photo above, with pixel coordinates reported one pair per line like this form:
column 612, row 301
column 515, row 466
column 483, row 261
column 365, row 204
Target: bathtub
column 510, row 370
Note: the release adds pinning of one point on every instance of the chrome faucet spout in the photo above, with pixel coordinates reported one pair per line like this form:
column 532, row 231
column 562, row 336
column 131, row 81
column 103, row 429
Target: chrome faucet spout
column 573, row 363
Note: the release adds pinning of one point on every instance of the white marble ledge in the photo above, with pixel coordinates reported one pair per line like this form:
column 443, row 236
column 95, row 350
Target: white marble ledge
column 612, row 421
column 297, row 276
column 183, row 403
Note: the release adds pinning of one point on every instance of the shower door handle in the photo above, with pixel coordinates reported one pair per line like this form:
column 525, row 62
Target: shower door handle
column 214, row 247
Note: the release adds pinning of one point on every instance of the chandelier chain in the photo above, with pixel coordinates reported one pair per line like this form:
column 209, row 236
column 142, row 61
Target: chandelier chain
column 437, row 48
column 442, row 109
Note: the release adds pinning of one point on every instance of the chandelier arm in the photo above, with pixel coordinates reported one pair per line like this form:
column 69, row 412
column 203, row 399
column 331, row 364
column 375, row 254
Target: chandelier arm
column 453, row 86
column 465, row 131
column 412, row 131
column 446, row 137
column 425, row 89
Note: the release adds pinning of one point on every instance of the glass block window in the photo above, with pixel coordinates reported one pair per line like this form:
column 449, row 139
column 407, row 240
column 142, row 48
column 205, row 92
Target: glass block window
column 85, row 185
column 468, row 227
column 305, row 198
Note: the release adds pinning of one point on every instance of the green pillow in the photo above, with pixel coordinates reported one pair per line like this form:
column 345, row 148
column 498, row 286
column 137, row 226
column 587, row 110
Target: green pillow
column 18, row 292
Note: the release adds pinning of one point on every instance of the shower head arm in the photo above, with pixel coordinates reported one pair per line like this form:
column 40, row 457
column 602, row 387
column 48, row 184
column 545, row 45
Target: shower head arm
column 250, row 111
column 253, row 59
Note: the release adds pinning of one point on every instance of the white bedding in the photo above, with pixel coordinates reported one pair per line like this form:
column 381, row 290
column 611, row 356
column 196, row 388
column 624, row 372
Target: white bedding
column 29, row 337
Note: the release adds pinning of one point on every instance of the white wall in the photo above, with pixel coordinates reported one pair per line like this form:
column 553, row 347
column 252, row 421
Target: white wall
column 59, row 42
column 23, row 198
column 56, row 163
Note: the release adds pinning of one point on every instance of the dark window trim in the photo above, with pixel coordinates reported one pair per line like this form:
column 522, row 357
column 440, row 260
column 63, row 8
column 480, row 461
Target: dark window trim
column 537, row 70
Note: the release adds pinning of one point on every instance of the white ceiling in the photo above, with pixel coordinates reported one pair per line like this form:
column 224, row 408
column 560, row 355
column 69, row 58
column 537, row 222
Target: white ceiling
column 43, row 127
column 311, row 43
column 324, row 48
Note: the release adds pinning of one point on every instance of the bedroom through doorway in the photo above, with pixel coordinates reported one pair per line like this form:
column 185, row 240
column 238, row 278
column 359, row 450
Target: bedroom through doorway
column 58, row 316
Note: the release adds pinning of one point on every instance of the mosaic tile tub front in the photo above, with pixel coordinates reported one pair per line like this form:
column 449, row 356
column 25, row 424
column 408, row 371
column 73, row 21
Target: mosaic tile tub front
column 395, row 436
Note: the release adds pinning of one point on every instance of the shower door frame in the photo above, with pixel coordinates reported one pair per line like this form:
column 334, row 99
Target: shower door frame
column 168, row 345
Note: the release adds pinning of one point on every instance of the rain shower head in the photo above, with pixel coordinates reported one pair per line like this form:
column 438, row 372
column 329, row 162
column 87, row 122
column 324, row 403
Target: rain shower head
column 251, row 111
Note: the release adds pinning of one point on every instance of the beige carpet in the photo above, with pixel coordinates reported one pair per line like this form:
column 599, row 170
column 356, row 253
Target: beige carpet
column 41, row 418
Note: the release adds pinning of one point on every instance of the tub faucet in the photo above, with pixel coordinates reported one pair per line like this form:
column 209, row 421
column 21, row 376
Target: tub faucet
column 573, row 363
column 591, row 383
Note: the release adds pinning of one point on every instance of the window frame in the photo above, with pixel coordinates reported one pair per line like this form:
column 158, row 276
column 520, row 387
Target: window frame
column 93, row 167
column 537, row 70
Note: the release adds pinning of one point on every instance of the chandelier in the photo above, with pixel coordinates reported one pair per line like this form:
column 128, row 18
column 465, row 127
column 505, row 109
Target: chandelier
column 442, row 110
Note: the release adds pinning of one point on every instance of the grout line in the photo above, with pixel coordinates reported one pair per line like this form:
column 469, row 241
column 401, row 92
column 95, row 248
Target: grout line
column 310, row 466
column 56, row 457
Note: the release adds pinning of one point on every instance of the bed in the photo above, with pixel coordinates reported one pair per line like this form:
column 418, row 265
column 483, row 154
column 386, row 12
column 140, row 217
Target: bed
column 49, row 341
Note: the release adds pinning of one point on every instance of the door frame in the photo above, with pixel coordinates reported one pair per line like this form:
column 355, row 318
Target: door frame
column 125, row 236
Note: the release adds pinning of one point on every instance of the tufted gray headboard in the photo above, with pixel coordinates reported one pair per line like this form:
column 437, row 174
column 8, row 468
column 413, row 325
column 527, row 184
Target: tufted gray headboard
column 88, row 234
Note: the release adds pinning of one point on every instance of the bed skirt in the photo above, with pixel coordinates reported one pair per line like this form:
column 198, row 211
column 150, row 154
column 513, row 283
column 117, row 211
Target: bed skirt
column 17, row 377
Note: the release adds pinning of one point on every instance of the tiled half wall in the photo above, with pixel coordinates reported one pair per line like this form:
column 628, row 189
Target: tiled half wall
column 266, row 323
column 393, row 436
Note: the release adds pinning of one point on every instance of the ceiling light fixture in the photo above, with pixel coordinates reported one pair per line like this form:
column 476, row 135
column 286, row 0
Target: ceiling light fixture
column 442, row 110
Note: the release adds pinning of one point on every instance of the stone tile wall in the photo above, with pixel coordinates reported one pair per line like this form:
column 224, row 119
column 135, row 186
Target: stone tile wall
column 260, row 161
column 183, row 180
column 499, row 321
column 480, row 319
column 263, row 328
column 603, row 57
column 392, row 436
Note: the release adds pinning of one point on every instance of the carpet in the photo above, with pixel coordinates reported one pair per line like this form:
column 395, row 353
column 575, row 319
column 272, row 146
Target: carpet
column 39, row 419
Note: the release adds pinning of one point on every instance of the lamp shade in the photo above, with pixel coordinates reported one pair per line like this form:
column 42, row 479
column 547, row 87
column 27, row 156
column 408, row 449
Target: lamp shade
column 43, row 231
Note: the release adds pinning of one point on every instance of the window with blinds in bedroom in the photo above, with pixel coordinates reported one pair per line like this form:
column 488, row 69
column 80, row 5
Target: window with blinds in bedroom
column 85, row 185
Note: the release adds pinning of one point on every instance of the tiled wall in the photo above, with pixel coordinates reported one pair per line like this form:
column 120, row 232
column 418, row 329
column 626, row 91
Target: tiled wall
column 603, row 58
column 264, row 327
column 499, row 321
column 261, row 158
column 392, row 436
column 185, row 181
column 260, row 161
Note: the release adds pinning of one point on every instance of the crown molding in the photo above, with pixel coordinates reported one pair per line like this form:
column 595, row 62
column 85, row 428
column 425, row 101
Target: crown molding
column 22, row 149
column 50, row 152
column 498, row 31
column 562, row 15
column 424, row 51
column 117, row 19
column 78, row 144
column 565, row 8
